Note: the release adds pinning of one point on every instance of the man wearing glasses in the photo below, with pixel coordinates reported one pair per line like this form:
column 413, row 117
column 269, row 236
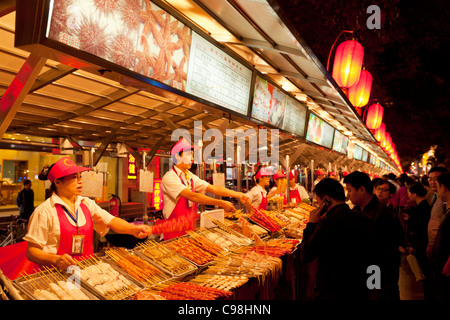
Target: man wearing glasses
column 384, row 190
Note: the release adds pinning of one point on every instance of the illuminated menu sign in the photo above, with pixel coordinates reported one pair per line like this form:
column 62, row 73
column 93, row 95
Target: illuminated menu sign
column 217, row 77
column 365, row 155
column 340, row 142
column 145, row 39
column 319, row 131
column 273, row 106
column 358, row 152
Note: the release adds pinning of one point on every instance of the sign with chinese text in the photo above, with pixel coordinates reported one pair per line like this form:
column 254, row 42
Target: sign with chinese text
column 217, row 77
column 132, row 171
column 157, row 196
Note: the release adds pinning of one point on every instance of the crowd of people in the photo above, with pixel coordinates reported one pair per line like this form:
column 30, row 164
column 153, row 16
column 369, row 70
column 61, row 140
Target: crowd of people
column 364, row 225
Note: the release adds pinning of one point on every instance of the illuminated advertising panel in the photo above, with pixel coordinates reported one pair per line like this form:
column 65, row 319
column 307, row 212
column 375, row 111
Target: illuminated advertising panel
column 319, row 131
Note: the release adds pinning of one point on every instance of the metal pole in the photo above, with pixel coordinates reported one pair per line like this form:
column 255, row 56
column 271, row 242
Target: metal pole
column 238, row 173
column 288, row 186
column 145, row 216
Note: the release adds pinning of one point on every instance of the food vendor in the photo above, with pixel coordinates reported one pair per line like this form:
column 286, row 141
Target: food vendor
column 279, row 189
column 320, row 175
column 258, row 194
column 183, row 190
column 61, row 228
column 333, row 175
column 298, row 193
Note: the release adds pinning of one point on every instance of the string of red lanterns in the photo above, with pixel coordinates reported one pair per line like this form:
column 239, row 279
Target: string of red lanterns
column 357, row 84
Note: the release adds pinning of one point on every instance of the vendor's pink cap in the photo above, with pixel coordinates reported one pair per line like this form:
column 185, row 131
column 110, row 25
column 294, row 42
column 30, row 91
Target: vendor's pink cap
column 332, row 173
column 279, row 175
column 320, row 172
column 63, row 167
column 182, row 145
column 263, row 172
column 291, row 176
column 346, row 173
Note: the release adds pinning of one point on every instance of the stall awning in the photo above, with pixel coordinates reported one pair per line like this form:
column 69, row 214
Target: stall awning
column 69, row 102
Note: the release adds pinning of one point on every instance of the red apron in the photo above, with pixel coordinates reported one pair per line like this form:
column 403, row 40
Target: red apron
column 263, row 204
column 182, row 209
column 295, row 194
column 67, row 230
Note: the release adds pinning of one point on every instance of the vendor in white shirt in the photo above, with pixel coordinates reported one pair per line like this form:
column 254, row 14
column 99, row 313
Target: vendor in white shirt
column 258, row 194
column 61, row 229
column 183, row 190
column 279, row 189
column 298, row 193
column 320, row 175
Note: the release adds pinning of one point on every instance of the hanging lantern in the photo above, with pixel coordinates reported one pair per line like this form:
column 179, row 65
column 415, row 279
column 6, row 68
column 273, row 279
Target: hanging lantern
column 374, row 116
column 359, row 93
column 347, row 63
column 386, row 141
column 380, row 132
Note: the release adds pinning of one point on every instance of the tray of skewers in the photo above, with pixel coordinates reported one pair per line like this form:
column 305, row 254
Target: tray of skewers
column 167, row 259
column 141, row 269
column 195, row 248
column 183, row 291
column 106, row 280
column 235, row 236
column 52, row 284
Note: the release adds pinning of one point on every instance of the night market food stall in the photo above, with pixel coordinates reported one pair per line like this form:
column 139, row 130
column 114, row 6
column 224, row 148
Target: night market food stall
column 113, row 104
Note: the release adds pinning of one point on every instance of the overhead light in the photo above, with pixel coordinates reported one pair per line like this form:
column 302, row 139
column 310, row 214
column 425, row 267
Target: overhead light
column 66, row 147
column 122, row 150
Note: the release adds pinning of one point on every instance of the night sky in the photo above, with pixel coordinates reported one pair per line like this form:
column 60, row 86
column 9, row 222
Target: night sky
column 407, row 58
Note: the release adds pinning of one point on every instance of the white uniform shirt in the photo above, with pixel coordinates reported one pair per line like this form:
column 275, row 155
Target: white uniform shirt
column 44, row 228
column 303, row 194
column 255, row 195
column 172, row 186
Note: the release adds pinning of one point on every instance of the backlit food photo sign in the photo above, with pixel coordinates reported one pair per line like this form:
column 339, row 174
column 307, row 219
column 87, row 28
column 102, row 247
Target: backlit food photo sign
column 143, row 38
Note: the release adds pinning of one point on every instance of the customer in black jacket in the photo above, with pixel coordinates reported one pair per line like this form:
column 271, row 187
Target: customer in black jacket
column 387, row 238
column 416, row 231
column 340, row 241
column 25, row 200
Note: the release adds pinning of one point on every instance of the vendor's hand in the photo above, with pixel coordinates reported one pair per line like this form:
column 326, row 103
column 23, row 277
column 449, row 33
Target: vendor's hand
column 141, row 231
column 64, row 261
column 244, row 199
column 228, row 206
column 314, row 215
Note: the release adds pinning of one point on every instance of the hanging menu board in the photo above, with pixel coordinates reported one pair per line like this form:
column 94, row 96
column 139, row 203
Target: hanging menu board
column 319, row 131
column 145, row 39
column 364, row 155
column 357, row 152
column 268, row 103
column 273, row 106
column 340, row 142
column 295, row 117
column 217, row 77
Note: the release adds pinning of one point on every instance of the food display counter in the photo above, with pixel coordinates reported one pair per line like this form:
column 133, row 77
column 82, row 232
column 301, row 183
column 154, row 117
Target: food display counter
column 228, row 261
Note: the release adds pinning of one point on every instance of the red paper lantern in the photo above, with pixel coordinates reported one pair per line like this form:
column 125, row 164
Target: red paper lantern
column 347, row 63
column 380, row 132
column 359, row 93
column 386, row 141
column 374, row 116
